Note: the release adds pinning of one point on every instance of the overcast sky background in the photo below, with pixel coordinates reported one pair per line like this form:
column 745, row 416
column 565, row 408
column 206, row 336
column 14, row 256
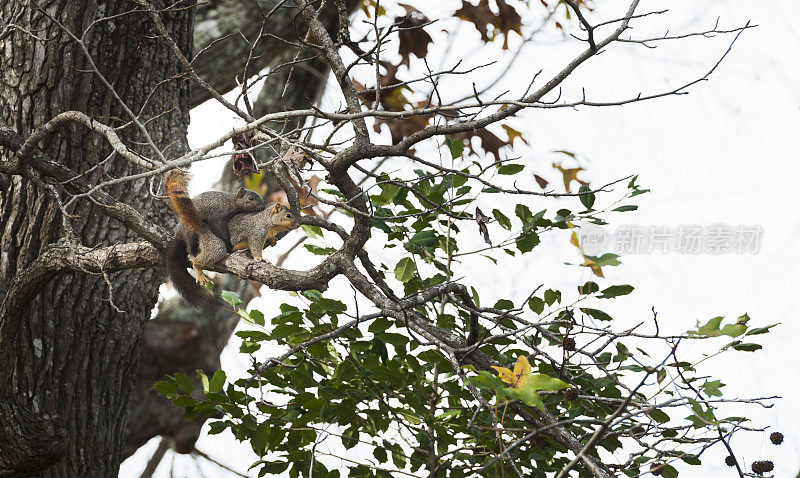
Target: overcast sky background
column 724, row 154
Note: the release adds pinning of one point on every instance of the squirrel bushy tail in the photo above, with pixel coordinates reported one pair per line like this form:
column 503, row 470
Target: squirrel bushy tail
column 176, row 183
column 177, row 261
column 176, row 258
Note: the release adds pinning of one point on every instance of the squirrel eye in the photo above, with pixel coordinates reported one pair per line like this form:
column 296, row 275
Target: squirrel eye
column 288, row 216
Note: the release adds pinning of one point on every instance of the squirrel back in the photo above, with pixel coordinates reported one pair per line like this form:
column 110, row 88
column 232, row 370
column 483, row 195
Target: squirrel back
column 253, row 230
column 211, row 210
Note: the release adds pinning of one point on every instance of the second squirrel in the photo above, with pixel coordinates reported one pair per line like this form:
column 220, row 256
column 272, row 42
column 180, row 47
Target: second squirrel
column 257, row 229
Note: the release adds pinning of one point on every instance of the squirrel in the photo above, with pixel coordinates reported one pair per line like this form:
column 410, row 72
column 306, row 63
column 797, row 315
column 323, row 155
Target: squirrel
column 212, row 209
column 255, row 230
column 203, row 231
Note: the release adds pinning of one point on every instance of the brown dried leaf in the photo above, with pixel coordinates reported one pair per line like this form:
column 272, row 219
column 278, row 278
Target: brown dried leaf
column 507, row 21
column 490, row 142
column 413, row 38
column 401, row 128
column 244, row 162
column 481, row 16
column 482, row 220
column 542, row 182
column 294, row 158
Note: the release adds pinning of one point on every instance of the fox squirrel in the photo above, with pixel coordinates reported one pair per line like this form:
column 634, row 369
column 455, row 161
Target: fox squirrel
column 257, row 229
column 210, row 210
column 203, row 231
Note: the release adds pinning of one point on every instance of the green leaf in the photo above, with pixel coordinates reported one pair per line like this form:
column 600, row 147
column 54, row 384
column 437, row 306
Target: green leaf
column 504, row 304
column 260, row 438
column 607, row 259
column 504, row 221
column 350, row 438
column 523, row 213
column 528, row 396
column 623, row 350
column 529, row 387
column 257, row 316
column 712, row 388
column 389, row 191
column 536, row 304
column 510, row 169
column 658, row 415
column 319, row 251
column 691, row 459
column 184, row 401
column 184, row 382
column 551, row 296
column 626, row 208
column 231, row 298
column 527, row 241
column 217, row 381
column 380, row 325
column 760, row 330
column 746, row 347
column 166, row 389
column 475, row 297
column 616, row 291
column 404, row 270
column 314, row 232
column 712, row 329
column 486, row 380
column 217, row 427
column 586, row 199
column 596, row 314
column 203, row 378
column 456, row 148
column 669, row 472
column 545, row 382
column 588, row 288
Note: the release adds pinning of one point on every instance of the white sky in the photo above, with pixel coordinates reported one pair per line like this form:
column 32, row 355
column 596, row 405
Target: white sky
column 725, row 153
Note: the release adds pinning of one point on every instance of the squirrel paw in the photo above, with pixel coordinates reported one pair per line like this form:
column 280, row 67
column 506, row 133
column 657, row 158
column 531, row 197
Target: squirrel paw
column 202, row 279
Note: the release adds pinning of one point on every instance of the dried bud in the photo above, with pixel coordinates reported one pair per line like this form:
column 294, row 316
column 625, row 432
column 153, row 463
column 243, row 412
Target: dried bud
column 730, row 461
column 776, row 438
column 568, row 344
column 571, row 394
column 637, row 431
column 761, row 467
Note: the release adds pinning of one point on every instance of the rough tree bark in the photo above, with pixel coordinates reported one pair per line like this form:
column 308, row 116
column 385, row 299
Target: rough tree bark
column 69, row 371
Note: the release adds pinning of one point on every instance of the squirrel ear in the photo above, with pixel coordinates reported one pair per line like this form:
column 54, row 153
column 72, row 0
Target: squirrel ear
column 241, row 192
column 277, row 207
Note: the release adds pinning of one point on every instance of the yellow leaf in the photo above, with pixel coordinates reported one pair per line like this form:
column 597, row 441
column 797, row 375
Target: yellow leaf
column 521, row 373
column 504, row 374
column 522, row 369
column 573, row 239
column 593, row 266
column 570, row 174
column 513, row 134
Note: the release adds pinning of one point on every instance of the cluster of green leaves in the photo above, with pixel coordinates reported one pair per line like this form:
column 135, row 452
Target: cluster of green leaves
column 373, row 385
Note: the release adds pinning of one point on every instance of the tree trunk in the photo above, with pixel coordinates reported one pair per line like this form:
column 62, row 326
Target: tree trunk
column 74, row 360
column 180, row 338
